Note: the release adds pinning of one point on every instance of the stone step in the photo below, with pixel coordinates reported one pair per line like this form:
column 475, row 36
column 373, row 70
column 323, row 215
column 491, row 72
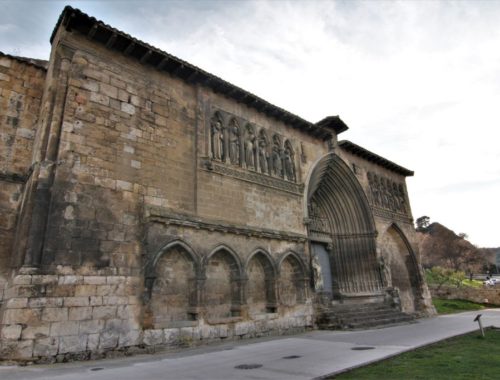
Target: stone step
column 363, row 319
column 354, row 311
column 382, row 322
column 354, row 314
column 370, row 306
column 360, row 316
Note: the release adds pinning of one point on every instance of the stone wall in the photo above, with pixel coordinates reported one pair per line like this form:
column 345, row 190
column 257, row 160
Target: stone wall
column 128, row 142
column 87, row 313
column 21, row 86
column 69, row 313
column 127, row 176
column 490, row 295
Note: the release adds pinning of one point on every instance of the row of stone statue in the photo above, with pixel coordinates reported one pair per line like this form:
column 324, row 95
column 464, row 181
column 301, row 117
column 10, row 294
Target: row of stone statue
column 244, row 147
column 386, row 193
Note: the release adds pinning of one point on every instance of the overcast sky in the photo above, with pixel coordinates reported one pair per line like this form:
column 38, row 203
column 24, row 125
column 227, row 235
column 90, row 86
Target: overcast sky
column 416, row 82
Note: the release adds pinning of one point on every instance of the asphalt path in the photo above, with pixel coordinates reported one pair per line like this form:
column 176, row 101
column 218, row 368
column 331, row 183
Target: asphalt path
column 305, row 356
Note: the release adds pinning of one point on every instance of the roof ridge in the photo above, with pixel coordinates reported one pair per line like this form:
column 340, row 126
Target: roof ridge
column 91, row 26
column 375, row 158
column 26, row 60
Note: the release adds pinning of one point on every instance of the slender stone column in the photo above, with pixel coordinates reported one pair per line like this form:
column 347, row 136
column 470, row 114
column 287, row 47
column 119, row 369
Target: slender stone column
column 45, row 160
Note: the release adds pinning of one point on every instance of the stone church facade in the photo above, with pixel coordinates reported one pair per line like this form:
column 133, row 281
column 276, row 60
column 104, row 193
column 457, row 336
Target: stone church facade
column 147, row 203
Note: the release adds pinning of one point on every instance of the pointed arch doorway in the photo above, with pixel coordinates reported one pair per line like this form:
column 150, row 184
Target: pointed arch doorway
column 341, row 232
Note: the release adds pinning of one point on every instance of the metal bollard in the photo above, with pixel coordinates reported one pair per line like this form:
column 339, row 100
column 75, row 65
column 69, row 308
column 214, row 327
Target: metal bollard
column 478, row 320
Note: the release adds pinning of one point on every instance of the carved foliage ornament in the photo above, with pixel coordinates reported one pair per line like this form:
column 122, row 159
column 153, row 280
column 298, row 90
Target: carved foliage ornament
column 251, row 147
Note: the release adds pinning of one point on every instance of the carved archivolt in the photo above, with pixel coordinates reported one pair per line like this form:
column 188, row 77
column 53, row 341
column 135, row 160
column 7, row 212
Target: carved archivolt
column 250, row 147
column 387, row 194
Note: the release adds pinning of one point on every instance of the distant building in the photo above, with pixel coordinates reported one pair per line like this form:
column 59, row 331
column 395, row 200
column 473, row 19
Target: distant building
column 146, row 202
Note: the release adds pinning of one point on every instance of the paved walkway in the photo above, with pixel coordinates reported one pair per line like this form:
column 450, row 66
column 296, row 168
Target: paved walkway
column 305, row 356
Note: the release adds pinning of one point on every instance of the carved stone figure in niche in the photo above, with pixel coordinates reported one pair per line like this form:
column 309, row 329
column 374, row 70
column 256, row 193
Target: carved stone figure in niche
column 371, row 186
column 263, row 153
column 402, row 199
column 318, row 277
column 217, row 138
column 234, row 142
column 376, row 191
column 395, row 197
column 250, row 147
column 288, row 160
column 383, row 196
column 276, row 164
column 385, row 272
column 388, row 194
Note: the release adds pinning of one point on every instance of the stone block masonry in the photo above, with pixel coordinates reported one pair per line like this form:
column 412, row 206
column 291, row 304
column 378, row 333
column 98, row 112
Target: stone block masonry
column 50, row 315
column 21, row 88
column 69, row 316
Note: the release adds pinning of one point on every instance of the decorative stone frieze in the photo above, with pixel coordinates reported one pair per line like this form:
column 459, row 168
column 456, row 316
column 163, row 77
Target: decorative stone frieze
column 238, row 142
column 253, row 177
column 387, row 194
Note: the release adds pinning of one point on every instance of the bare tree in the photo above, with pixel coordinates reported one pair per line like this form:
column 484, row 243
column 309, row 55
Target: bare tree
column 440, row 246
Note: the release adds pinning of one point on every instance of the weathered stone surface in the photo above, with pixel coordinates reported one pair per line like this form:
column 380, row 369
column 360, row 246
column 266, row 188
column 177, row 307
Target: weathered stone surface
column 46, row 347
column 108, row 340
column 103, row 312
column 36, row 332
column 17, row 303
column 11, row 332
column 91, row 327
column 93, row 342
column 130, row 338
column 55, row 314
column 76, row 301
column 19, row 350
column 64, row 328
column 26, row 316
column 80, row 313
column 153, row 337
column 72, row 344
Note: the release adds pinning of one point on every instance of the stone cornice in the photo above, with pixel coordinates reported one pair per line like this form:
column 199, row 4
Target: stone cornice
column 164, row 216
column 253, row 177
column 390, row 215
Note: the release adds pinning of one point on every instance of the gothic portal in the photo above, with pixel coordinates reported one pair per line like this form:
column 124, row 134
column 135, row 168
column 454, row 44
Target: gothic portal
column 342, row 231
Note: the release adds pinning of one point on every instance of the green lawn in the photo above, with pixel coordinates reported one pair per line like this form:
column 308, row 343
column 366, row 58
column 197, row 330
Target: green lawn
column 455, row 306
column 473, row 283
column 466, row 357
